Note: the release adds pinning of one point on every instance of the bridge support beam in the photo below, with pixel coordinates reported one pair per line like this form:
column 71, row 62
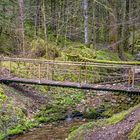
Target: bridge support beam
column 131, row 77
column 39, row 72
column 86, row 72
column 10, row 68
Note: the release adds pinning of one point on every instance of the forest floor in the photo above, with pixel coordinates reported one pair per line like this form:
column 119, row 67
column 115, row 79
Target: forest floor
column 118, row 131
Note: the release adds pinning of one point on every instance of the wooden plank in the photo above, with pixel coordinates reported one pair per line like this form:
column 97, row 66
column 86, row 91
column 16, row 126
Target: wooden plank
column 73, row 85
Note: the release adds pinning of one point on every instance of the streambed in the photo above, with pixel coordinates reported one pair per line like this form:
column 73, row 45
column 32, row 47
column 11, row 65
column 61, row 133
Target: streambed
column 51, row 132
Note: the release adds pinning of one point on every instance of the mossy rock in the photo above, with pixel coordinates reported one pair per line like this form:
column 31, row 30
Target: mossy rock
column 80, row 50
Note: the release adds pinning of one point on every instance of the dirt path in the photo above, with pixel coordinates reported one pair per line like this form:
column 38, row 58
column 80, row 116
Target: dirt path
column 118, row 131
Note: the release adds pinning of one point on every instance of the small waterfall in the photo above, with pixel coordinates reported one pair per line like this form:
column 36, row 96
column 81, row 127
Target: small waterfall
column 69, row 118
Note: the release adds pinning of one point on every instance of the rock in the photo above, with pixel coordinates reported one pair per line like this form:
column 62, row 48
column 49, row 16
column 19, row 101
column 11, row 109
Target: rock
column 113, row 101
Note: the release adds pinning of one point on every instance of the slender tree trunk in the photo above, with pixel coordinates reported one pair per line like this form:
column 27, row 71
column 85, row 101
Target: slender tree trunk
column 133, row 26
column 37, row 17
column 97, row 7
column 86, row 22
column 44, row 19
column 113, row 29
column 119, row 35
column 21, row 24
column 126, row 27
column 93, row 25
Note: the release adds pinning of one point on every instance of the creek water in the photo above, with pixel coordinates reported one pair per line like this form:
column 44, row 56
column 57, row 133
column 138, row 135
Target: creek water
column 51, row 132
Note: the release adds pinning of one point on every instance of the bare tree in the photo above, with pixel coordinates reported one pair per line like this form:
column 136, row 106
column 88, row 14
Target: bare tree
column 21, row 24
column 86, row 22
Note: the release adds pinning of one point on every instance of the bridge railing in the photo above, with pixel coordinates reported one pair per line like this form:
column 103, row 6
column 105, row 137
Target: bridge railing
column 78, row 72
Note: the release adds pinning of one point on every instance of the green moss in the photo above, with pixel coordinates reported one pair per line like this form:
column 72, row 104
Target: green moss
column 135, row 134
column 20, row 128
column 2, row 136
column 92, row 113
column 107, row 55
column 17, row 130
column 84, row 59
column 79, row 50
column 2, row 95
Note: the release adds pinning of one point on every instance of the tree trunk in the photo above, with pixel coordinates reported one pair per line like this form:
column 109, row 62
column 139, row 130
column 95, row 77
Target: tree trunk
column 126, row 27
column 37, row 17
column 113, row 29
column 44, row 19
column 21, row 24
column 86, row 22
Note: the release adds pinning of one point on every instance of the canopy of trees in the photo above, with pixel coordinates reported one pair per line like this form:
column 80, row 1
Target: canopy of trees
column 112, row 24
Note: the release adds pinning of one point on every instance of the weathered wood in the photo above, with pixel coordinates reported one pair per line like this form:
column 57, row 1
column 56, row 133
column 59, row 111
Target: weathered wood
column 73, row 85
column 39, row 72
column 133, row 76
column 10, row 68
column 86, row 74
column 79, row 75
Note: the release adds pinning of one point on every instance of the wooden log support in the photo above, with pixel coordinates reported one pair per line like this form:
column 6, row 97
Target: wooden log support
column 0, row 63
column 52, row 69
column 79, row 76
column 129, row 77
column 47, row 71
column 93, row 77
column 133, row 76
column 39, row 72
column 86, row 72
column 10, row 68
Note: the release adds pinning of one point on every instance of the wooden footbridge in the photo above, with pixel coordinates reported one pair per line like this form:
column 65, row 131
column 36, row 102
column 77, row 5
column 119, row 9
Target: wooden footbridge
column 122, row 77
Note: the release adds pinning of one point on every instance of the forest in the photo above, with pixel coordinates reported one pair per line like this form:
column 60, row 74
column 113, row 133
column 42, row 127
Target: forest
column 87, row 52
column 45, row 28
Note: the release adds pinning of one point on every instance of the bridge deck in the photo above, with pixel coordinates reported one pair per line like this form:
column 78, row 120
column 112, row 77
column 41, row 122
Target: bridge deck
column 115, row 88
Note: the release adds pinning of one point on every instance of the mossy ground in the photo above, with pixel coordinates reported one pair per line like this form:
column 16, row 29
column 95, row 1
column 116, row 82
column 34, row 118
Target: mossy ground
column 135, row 134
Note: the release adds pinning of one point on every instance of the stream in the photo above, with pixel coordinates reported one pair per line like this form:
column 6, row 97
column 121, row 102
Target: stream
column 50, row 131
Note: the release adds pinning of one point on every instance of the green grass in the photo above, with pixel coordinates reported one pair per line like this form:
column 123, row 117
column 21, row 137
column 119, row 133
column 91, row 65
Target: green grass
column 80, row 133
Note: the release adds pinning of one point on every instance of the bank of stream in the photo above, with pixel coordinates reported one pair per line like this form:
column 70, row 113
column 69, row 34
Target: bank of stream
column 69, row 109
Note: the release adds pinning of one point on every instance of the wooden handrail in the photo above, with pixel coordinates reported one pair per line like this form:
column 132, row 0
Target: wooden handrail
column 88, row 62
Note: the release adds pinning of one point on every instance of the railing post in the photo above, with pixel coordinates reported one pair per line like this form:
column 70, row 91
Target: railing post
column 133, row 76
column 39, row 72
column 47, row 71
column 129, row 77
column 79, row 77
column 10, row 68
column 86, row 72
column 52, row 68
